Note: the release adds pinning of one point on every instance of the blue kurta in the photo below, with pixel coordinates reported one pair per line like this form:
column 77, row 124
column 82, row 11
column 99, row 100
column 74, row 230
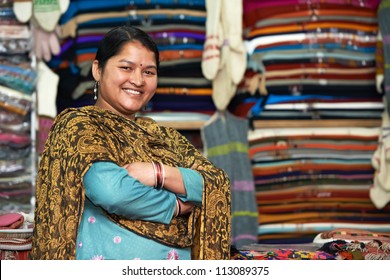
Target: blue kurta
column 108, row 187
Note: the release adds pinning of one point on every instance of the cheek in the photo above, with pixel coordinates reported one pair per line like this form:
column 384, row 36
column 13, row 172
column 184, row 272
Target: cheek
column 152, row 86
column 117, row 78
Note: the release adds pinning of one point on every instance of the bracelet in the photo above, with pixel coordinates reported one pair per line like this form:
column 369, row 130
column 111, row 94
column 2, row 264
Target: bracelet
column 159, row 175
column 179, row 207
column 176, row 212
column 163, row 174
column 155, row 174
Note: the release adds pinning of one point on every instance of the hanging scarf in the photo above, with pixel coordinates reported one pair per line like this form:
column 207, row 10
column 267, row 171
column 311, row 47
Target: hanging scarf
column 82, row 136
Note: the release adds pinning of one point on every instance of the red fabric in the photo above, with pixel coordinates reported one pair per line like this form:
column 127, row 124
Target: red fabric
column 11, row 221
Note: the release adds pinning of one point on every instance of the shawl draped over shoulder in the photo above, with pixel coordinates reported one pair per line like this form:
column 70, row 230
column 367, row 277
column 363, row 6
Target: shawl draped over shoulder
column 85, row 135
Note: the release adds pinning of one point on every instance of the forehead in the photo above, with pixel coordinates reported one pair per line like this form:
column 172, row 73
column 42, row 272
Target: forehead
column 135, row 51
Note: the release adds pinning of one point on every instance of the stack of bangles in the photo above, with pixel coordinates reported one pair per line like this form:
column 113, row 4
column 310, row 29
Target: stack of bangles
column 159, row 175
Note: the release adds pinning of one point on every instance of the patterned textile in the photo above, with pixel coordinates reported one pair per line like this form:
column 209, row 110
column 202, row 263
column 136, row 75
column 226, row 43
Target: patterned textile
column 281, row 254
column 355, row 250
column 351, row 234
column 82, row 136
column 335, row 250
column 14, row 255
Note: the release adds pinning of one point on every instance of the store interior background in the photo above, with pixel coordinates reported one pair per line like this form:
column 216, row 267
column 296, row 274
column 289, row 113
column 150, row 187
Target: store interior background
column 287, row 96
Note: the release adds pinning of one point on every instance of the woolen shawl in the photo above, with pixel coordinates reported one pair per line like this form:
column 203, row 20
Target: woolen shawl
column 89, row 134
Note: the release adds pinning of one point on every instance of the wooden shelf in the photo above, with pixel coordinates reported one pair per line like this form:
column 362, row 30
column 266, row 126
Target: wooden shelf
column 183, row 125
column 317, row 123
column 196, row 125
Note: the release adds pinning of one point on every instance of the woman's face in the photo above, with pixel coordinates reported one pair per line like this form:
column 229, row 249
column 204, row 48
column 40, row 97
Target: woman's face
column 128, row 80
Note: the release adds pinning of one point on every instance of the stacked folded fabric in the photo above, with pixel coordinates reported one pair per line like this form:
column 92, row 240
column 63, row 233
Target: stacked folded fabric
column 310, row 180
column 310, row 60
column 17, row 100
column 15, row 236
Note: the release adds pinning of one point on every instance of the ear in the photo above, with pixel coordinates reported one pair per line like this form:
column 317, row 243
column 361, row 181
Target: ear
column 96, row 71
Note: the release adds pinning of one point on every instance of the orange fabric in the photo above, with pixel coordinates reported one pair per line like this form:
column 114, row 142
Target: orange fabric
column 313, row 26
column 184, row 91
column 307, row 216
column 167, row 55
column 286, row 146
column 264, row 171
column 292, row 11
column 340, row 206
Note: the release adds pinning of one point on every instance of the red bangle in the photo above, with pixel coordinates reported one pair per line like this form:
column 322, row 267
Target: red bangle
column 155, row 173
column 158, row 176
column 162, row 174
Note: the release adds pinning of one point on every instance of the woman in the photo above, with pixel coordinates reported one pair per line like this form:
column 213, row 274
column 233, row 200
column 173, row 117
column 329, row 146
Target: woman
column 113, row 185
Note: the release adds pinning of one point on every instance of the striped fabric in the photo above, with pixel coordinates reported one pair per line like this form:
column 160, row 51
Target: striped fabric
column 226, row 145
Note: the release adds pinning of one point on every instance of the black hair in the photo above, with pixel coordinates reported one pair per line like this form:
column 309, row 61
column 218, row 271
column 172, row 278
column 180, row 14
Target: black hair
column 114, row 39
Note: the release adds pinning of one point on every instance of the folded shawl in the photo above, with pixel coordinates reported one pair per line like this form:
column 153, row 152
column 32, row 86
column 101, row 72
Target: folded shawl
column 85, row 135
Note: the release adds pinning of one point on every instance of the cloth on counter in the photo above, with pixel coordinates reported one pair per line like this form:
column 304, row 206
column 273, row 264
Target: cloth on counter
column 355, row 250
column 306, row 251
column 350, row 235
column 335, row 250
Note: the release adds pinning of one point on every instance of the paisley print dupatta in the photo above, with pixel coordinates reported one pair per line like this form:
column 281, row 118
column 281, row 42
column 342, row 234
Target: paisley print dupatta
column 85, row 135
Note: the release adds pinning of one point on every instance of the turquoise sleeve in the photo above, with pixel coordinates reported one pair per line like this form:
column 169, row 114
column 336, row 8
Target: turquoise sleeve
column 109, row 186
column 193, row 183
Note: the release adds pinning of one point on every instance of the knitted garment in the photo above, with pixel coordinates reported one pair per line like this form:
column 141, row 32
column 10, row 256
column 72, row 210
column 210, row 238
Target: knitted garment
column 82, row 136
column 226, row 145
column 380, row 189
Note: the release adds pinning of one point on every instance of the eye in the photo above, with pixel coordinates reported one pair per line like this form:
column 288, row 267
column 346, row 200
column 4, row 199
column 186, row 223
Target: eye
column 127, row 68
column 147, row 72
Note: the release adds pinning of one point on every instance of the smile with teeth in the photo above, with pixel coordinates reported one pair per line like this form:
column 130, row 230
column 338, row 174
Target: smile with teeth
column 132, row 91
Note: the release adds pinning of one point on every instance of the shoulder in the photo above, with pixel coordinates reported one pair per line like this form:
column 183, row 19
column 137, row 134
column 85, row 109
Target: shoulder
column 143, row 120
column 75, row 114
column 152, row 126
column 70, row 113
column 72, row 119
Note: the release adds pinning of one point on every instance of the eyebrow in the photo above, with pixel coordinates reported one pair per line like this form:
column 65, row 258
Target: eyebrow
column 133, row 63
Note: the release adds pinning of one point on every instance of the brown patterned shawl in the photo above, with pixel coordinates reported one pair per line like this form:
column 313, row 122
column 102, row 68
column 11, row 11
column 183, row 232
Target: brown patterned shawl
column 82, row 136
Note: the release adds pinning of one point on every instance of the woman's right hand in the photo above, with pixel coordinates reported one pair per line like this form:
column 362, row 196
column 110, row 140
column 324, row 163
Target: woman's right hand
column 141, row 171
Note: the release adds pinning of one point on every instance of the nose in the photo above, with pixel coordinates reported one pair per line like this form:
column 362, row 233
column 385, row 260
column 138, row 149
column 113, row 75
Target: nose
column 136, row 78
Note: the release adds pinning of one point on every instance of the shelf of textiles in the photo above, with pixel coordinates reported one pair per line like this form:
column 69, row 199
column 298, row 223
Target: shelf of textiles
column 17, row 94
column 311, row 179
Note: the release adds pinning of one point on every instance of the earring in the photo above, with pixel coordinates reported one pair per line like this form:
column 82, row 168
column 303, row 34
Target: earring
column 95, row 90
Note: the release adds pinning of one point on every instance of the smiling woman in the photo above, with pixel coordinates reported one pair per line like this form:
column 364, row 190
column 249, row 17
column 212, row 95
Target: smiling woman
column 113, row 185
column 128, row 79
